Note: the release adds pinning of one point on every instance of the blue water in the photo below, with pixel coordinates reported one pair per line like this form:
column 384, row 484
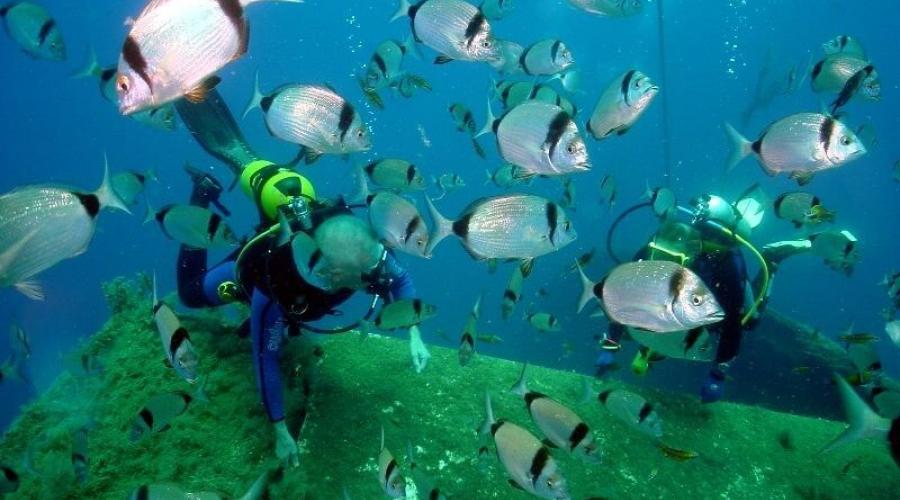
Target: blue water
column 56, row 130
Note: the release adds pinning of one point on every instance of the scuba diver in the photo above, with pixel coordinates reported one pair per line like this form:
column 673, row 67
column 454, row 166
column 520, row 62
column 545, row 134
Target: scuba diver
column 710, row 245
column 266, row 272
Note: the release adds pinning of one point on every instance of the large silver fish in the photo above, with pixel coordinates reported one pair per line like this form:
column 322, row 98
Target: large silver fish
column 547, row 57
column 633, row 410
column 799, row 145
column 610, row 8
column 834, row 72
column 457, row 30
column 526, row 460
column 313, row 116
column 517, row 226
column 43, row 225
column 32, row 28
column 398, row 223
column 654, row 295
column 193, row 226
column 175, row 46
column 621, row 104
column 176, row 341
column 539, row 137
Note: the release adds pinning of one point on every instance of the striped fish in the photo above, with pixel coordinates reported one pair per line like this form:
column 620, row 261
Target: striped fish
column 513, row 292
column 175, row 46
column 843, row 44
column 404, row 314
column 457, row 30
column 157, row 415
column 176, row 341
column 546, row 57
column 196, row 227
column 633, row 410
column 833, row 73
column 466, row 350
column 621, row 104
column 392, row 482
column 398, row 223
column 313, row 116
column 32, row 28
column 396, row 174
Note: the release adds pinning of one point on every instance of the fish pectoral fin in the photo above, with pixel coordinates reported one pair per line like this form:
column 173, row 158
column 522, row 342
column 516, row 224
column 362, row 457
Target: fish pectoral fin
column 312, row 156
column 31, row 289
column 515, row 485
column 442, row 59
column 623, row 130
column 198, row 94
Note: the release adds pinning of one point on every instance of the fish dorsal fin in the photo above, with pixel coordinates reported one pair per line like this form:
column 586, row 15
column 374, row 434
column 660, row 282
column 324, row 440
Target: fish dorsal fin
column 198, row 94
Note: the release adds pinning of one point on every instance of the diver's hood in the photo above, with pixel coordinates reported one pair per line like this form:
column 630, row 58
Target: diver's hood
column 716, row 209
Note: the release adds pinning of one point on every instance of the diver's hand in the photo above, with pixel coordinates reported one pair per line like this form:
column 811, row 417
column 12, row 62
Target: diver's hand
column 714, row 387
column 285, row 445
column 420, row 354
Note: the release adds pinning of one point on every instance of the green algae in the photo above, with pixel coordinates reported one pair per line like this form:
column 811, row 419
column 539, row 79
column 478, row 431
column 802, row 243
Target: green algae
column 362, row 384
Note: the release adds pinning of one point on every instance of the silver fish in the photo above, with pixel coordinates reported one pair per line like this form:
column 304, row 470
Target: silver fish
column 563, row 428
column 511, row 94
column 621, row 104
column 844, row 44
column 546, row 58
column 130, row 184
column 847, row 76
column 608, row 190
column 510, row 59
column 41, row 226
column 465, row 122
column 176, row 341
column 527, row 462
column 799, row 145
column 610, row 8
column 193, row 226
column 32, row 28
column 20, row 343
column 539, row 137
column 313, row 116
column 404, row 314
column 543, row 322
column 633, row 410
column 517, row 226
column 658, row 296
column 457, row 30
column 892, row 329
column 838, row 249
column 661, row 199
column 794, row 206
column 496, row 9
column 398, row 223
column 392, row 482
column 691, row 345
column 466, row 350
column 513, row 292
column 385, row 66
column 396, row 174
column 173, row 48
column 157, row 415
column 507, row 176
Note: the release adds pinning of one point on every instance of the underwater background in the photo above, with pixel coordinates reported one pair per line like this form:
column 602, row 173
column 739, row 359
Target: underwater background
column 57, row 129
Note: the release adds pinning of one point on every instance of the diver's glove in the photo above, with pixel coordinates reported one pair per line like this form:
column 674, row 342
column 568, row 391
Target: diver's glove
column 285, row 445
column 714, row 387
column 420, row 354
column 604, row 362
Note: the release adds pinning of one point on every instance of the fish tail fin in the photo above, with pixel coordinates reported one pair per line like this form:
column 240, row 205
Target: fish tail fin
column 587, row 392
column 31, row 289
column 489, row 421
column 106, row 195
column 411, row 47
column 260, row 488
column 489, row 122
column 150, row 215
column 91, row 68
column 402, row 10
column 255, row 99
column 442, row 227
column 520, row 388
column 587, row 288
column 863, row 421
column 741, row 147
column 478, row 149
column 155, row 296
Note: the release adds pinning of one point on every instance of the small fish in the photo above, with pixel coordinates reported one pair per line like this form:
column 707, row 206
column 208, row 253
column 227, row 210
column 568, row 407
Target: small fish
column 130, row 184
column 547, row 57
column 396, row 174
column 159, row 413
column 490, row 339
column 9, row 480
column 176, row 341
column 511, row 94
column 80, row 462
column 863, row 81
column 865, row 423
column 173, row 49
column 833, row 74
column 562, row 427
column 786, row 440
column 897, row 171
column 194, row 226
column 384, row 69
column 526, row 460
column 677, row 454
column 818, row 214
column 633, row 410
column 507, row 176
column 608, row 191
column 467, row 349
column 449, row 183
column 397, row 223
column 20, row 343
column 621, row 104
column 404, row 314
column 392, row 481
column 465, row 122
column 661, row 199
column 658, row 296
column 506, row 227
column 313, row 116
column 43, row 225
column 857, row 338
column 799, row 145
column 539, row 137
column 35, row 32
column 837, row 248
column 609, row 8
column 495, row 9
column 457, row 30
column 513, row 292
column 543, row 322
column 846, row 45
column 795, row 206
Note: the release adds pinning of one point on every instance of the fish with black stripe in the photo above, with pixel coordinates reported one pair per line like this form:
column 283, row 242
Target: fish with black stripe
column 33, row 30
column 398, row 224
column 633, row 410
column 313, row 116
column 527, row 461
column 159, row 413
column 510, row 60
column 562, row 427
column 404, row 313
column 516, row 226
column 799, row 145
column 392, row 481
column 845, row 74
column 194, row 226
column 511, row 94
column 546, row 58
column 466, row 350
column 513, row 292
column 396, row 174
column 385, row 70
column 844, row 44
column 457, row 30
column 539, row 137
column 465, row 122
column 175, row 47
column 176, row 341
column 621, row 104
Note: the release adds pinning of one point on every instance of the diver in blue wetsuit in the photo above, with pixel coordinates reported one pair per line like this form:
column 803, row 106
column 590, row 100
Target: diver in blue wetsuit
column 263, row 272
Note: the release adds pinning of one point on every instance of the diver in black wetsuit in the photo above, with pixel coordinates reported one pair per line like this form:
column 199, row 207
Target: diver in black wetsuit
column 263, row 272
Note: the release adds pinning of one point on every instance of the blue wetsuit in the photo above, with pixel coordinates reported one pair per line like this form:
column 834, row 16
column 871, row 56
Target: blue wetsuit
column 198, row 287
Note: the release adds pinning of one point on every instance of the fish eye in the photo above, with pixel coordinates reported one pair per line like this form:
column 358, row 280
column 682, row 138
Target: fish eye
column 567, row 225
column 122, row 83
column 360, row 133
column 696, row 299
column 846, row 140
column 571, row 148
column 420, row 242
column 486, row 44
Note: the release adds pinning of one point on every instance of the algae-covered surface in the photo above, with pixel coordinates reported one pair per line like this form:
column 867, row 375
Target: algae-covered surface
column 361, row 384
